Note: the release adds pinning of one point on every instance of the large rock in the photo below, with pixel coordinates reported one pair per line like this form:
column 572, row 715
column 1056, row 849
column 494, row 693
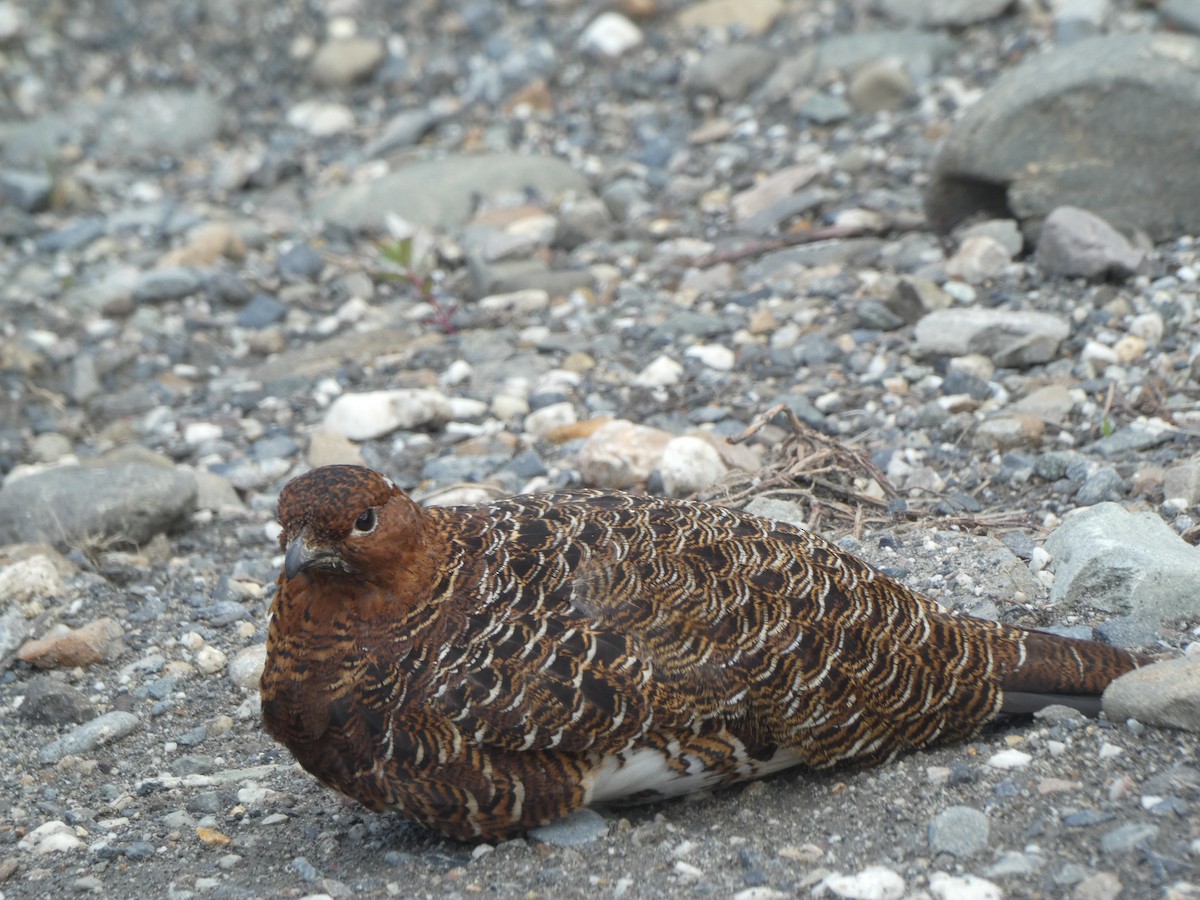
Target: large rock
column 125, row 504
column 441, row 193
column 1129, row 564
column 1010, row 338
column 939, row 13
column 1107, row 124
column 135, row 126
column 1167, row 693
column 1075, row 242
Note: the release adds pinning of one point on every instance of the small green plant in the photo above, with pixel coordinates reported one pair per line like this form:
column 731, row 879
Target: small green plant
column 404, row 265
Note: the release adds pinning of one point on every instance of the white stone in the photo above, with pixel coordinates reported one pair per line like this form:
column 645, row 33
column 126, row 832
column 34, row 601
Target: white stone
column 192, row 640
column 247, row 665
column 201, row 432
column 945, row 886
column 542, row 421
column 34, row 578
column 872, row 883
column 661, row 372
column 506, row 407
column 210, row 660
column 715, row 356
column 1149, row 327
column 464, row 409
column 12, row 22
column 456, row 373
column 321, row 119
column 610, row 34
column 620, row 454
column 361, row 417
column 961, row 292
column 51, row 837
column 979, row 259
column 690, row 464
column 1010, row 759
column 516, row 303
column 1098, row 354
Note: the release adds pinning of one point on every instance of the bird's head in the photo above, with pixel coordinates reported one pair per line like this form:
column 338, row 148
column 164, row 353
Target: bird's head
column 339, row 519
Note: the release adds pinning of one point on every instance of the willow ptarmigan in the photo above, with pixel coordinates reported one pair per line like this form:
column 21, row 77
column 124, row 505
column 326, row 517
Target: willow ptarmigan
column 485, row 670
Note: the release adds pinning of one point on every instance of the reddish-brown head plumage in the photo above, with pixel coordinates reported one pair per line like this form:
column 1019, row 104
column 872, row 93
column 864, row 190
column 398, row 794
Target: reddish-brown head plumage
column 487, row 669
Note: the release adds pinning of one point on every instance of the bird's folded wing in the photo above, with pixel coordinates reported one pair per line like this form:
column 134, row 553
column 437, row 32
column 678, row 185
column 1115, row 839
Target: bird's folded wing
column 575, row 690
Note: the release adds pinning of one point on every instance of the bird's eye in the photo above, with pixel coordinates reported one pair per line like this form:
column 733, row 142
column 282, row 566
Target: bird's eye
column 365, row 523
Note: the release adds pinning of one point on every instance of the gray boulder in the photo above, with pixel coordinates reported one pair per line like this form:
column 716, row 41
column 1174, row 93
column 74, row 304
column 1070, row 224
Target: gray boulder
column 1107, row 124
column 1124, row 563
column 441, row 193
column 121, row 505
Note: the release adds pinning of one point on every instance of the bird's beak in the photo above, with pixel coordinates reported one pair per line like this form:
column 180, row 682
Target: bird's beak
column 298, row 557
column 301, row 556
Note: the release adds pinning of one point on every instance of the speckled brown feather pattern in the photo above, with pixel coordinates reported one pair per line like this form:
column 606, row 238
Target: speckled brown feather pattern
column 484, row 670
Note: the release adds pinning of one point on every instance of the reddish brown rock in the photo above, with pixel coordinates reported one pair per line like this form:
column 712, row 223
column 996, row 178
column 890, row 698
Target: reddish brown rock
column 65, row 647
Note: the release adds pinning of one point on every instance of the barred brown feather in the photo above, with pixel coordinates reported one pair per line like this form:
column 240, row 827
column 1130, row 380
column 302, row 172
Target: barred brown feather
column 488, row 669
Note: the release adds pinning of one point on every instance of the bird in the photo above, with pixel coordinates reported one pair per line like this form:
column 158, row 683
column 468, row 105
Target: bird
column 486, row 670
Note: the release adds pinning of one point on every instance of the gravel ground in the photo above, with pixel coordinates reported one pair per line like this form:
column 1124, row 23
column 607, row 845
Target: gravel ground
column 453, row 241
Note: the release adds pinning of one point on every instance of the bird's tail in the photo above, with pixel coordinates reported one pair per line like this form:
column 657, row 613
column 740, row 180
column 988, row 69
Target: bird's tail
column 1063, row 671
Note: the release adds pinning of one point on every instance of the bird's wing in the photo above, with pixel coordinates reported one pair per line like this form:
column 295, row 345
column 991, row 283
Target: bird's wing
column 608, row 634
column 540, row 684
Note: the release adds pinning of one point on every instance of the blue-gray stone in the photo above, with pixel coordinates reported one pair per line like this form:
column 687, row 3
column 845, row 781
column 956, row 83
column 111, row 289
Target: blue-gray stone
column 581, row 827
column 28, row 191
column 302, row 262
column 170, row 283
column 90, row 735
column 73, row 237
column 304, row 869
column 261, row 311
column 1126, row 838
column 1085, row 818
column 1105, row 484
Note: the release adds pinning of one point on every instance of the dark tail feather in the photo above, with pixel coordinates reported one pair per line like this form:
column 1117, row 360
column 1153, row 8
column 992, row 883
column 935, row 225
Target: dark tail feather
column 1064, row 671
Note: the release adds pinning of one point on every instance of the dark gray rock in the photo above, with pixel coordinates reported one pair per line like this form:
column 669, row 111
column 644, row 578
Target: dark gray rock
column 1104, row 484
column 28, row 191
column 71, row 506
column 729, row 72
column 405, row 129
column 51, row 701
column 169, row 283
column 75, row 236
column 300, row 261
column 1056, row 131
column 261, row 311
